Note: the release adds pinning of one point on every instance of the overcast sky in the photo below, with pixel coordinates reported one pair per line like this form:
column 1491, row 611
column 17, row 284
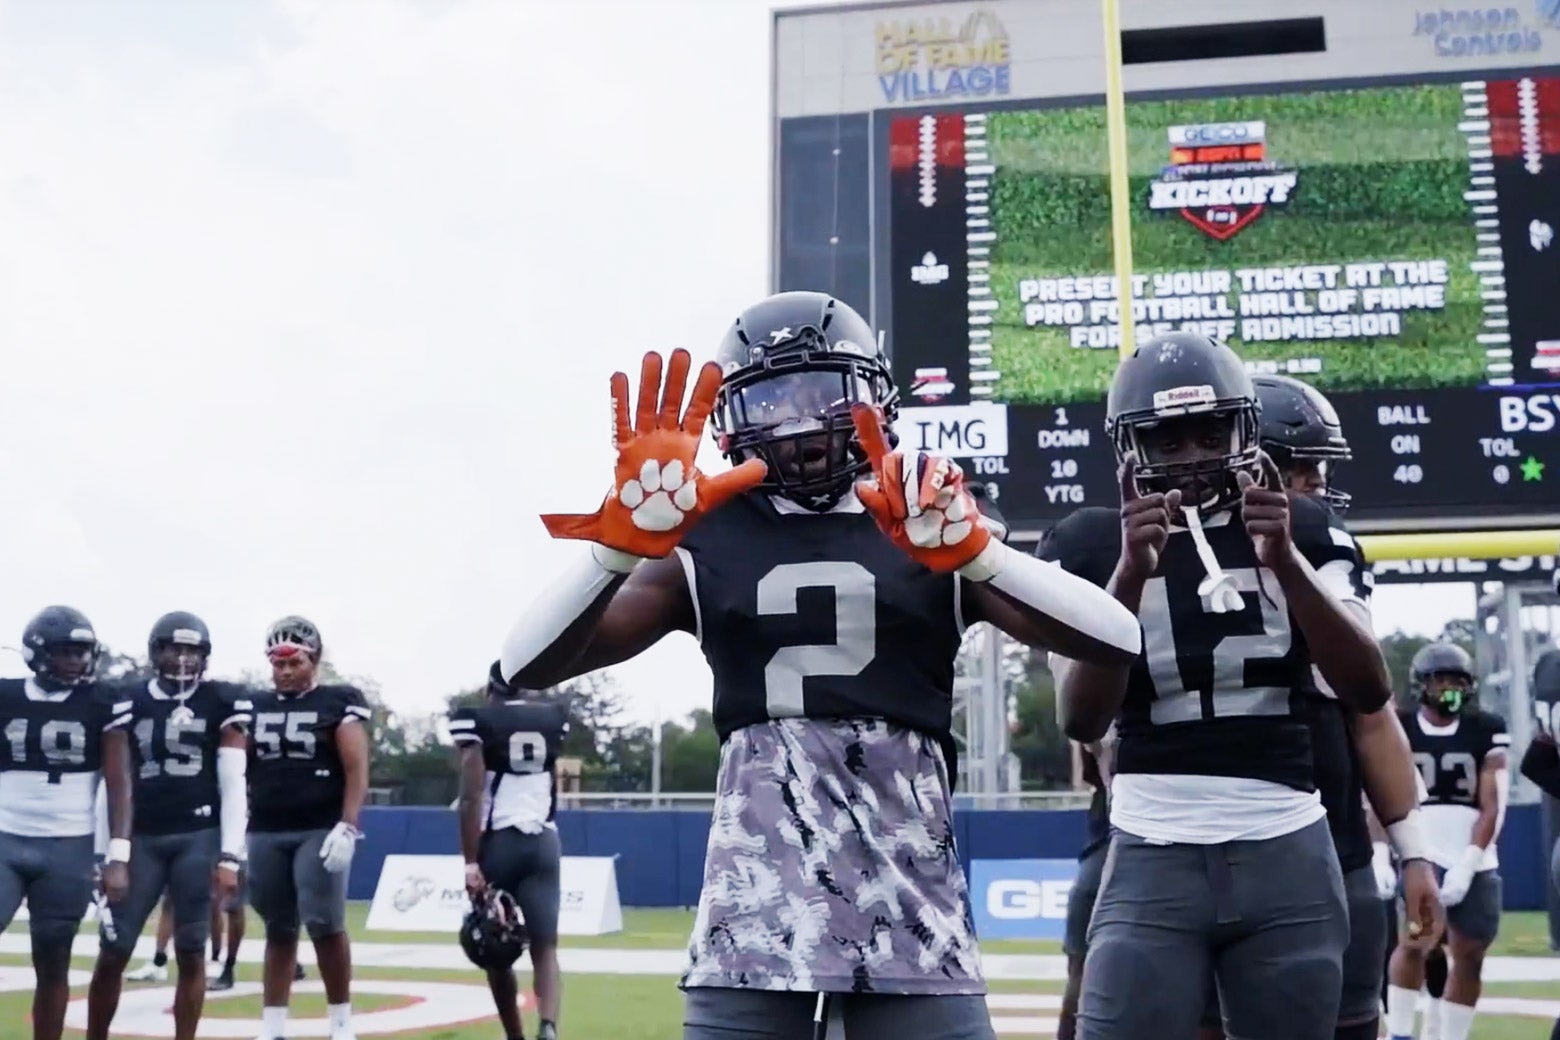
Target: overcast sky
column 310, row 306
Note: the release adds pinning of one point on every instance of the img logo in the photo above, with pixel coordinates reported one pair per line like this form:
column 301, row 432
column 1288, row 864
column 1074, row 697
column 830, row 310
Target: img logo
column 1219, row 177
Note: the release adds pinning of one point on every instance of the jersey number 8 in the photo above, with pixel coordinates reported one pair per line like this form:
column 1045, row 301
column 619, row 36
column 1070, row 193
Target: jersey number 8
column 527, row 752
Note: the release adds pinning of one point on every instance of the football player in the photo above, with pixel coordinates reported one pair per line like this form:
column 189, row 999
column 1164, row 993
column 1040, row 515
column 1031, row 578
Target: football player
column 308, row 779
column 1541, row 764
column 508, row 798
column 1221, row 860
column 190, row 813
column 1461, row 754
column 1351, row 752
column 828, row 579
column 61, row 731
column 1086, row 886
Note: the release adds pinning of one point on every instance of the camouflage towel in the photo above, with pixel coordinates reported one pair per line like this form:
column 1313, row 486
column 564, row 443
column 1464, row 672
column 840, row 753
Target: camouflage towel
column 831, row 865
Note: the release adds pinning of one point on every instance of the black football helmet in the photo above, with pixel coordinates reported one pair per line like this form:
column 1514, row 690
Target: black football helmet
column 1299, row 423
column 493, row 934
column 293, row 633
column 1442, row 659
column 792, row 365
column 60, row 647
column 188, row 633
column 1177, row 375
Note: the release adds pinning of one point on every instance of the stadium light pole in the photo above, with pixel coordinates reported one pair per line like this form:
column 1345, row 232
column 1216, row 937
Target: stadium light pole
column 1120, row 193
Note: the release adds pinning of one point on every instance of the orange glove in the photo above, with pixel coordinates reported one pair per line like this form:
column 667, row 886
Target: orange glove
column 658, row 493
column 919, row 500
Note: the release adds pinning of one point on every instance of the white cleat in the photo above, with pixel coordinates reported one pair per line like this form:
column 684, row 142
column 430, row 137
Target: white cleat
column 148, row 972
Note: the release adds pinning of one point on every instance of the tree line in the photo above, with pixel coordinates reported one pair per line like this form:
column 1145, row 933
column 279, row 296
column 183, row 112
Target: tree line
column 412, row 760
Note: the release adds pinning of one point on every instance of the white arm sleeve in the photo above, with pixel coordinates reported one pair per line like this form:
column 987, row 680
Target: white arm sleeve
column 561, row 605
column 100, row 818
column 235, row 799
column 1047, row 588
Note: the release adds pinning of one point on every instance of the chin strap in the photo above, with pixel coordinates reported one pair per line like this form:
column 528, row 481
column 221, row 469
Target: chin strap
column 1217, row 589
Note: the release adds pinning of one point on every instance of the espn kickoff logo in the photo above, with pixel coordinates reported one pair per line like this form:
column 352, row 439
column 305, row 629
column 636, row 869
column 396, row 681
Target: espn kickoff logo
column 1219, row 177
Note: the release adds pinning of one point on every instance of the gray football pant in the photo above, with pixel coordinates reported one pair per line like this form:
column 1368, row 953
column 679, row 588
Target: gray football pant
column 1267, row 918
column 527, row 867
column 180, row 863
column 288, row 884
column 745, row 1014
column 54, row 875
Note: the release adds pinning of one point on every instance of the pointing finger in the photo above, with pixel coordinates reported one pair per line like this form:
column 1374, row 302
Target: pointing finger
column 1271, row 476
column 869, row 434
column 1126, row 474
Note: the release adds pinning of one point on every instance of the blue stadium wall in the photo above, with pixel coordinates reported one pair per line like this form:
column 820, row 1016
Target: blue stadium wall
column 661, row 854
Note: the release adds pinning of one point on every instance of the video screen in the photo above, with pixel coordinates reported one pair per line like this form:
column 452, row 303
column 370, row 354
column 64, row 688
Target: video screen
column 1350, row 237
column 1393, row 245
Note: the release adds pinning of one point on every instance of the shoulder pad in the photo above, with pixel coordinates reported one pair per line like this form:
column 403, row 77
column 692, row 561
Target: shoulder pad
column 1086, row 542
column 1319, row 534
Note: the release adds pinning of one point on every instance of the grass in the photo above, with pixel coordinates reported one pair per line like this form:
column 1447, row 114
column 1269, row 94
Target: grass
column 1381, row 178
column 627, row 1007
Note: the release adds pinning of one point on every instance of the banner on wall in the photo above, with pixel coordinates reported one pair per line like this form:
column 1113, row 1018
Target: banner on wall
column 428, row 894
column 1021, row 898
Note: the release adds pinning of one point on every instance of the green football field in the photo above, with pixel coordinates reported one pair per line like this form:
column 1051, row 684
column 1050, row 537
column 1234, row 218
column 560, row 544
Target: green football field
column 607, row 1005
column 1382, row 173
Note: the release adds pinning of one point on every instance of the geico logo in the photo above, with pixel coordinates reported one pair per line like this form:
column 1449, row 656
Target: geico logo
column 1016, row 899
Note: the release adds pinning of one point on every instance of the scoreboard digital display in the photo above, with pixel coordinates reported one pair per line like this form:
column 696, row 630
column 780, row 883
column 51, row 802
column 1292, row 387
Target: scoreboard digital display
column 1395, row 245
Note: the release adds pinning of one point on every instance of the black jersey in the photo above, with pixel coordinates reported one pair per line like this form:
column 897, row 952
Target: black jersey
column 51, row 749
column 1336, row 767
column 821, row 616
column 1097, row 820
column 175, row 753
column 1449, row 762
column 1214, row 694
column 520, row 741
column 296, row 782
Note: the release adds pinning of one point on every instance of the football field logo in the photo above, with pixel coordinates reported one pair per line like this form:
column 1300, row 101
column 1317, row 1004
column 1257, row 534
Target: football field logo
column 1220, row 178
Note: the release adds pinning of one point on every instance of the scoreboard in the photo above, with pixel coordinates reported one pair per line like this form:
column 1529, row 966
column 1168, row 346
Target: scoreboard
column 1378, row 219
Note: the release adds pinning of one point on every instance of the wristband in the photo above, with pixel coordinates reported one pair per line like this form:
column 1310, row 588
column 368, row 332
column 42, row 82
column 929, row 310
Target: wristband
column 119, row 850
column 1408, row 838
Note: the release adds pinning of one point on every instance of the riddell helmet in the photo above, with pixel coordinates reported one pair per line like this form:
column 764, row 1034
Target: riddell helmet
column 60, row 647
column 492, row 934
column 182, row 629
column 1183, row 374
column 1299, row 423
column 791, row 366
column 292, row 634
column 1441, row 659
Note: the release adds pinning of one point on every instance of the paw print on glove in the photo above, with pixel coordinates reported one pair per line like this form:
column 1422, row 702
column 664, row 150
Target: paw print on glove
column 657, row 492
column 951, row 516
column 660, row 497
column 919, row 500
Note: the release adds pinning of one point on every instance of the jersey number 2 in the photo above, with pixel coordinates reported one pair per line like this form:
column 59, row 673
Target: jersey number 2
column 855, row 628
